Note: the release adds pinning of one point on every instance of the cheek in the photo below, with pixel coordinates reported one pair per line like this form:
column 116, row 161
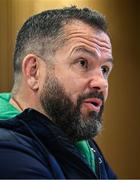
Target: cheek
column 106, row 94
column 73, row 85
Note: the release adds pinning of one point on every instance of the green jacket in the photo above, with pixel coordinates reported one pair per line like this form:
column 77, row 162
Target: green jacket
column 6, row 109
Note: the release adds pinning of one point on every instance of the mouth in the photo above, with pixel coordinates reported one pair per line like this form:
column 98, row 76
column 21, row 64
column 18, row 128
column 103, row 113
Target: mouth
column 93, row 104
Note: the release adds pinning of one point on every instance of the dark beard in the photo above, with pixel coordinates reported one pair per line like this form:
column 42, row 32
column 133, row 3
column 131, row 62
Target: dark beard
column 61, row 110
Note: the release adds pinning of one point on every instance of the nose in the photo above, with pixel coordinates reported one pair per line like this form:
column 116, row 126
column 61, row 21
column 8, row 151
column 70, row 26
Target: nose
column 99, row 83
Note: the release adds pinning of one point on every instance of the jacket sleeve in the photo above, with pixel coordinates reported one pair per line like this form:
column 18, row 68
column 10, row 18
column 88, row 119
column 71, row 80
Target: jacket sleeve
column 19, row 162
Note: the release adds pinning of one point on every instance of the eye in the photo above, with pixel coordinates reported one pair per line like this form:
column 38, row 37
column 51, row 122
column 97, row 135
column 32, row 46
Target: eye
column 105, row 71
column 83, row 63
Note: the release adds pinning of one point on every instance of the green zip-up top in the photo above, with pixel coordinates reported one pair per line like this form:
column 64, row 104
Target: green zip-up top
column 7, row 110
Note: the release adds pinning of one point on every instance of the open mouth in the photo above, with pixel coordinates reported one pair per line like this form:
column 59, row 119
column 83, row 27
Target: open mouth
column 93, row 104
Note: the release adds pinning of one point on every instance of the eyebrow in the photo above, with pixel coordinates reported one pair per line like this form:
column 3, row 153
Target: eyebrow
column 91, row 53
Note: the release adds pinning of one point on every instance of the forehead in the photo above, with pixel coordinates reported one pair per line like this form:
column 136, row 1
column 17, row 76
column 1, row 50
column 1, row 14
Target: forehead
column 78, row 32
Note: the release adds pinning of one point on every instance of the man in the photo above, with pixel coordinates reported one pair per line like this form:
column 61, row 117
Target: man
column 62, row 61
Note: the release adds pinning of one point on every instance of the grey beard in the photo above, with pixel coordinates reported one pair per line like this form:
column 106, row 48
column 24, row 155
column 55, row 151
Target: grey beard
column 59, row 107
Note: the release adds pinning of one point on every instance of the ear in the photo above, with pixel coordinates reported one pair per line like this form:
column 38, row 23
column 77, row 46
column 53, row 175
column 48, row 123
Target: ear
column 30, row 69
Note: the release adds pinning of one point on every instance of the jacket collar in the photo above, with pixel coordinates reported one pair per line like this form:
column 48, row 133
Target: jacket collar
column 31, row 122
column 46, row 130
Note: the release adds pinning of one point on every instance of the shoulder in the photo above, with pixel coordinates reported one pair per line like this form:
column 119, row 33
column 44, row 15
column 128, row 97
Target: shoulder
column 20, row 157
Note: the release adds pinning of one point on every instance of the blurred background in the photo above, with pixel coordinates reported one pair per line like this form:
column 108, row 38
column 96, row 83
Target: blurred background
column 120, row 139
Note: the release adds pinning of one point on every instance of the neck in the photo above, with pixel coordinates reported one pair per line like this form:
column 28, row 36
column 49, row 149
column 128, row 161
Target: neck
column 16, row 104
column 19, row 104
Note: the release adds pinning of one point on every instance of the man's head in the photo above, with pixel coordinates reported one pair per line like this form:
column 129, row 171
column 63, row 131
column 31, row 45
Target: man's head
column 63, row 58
